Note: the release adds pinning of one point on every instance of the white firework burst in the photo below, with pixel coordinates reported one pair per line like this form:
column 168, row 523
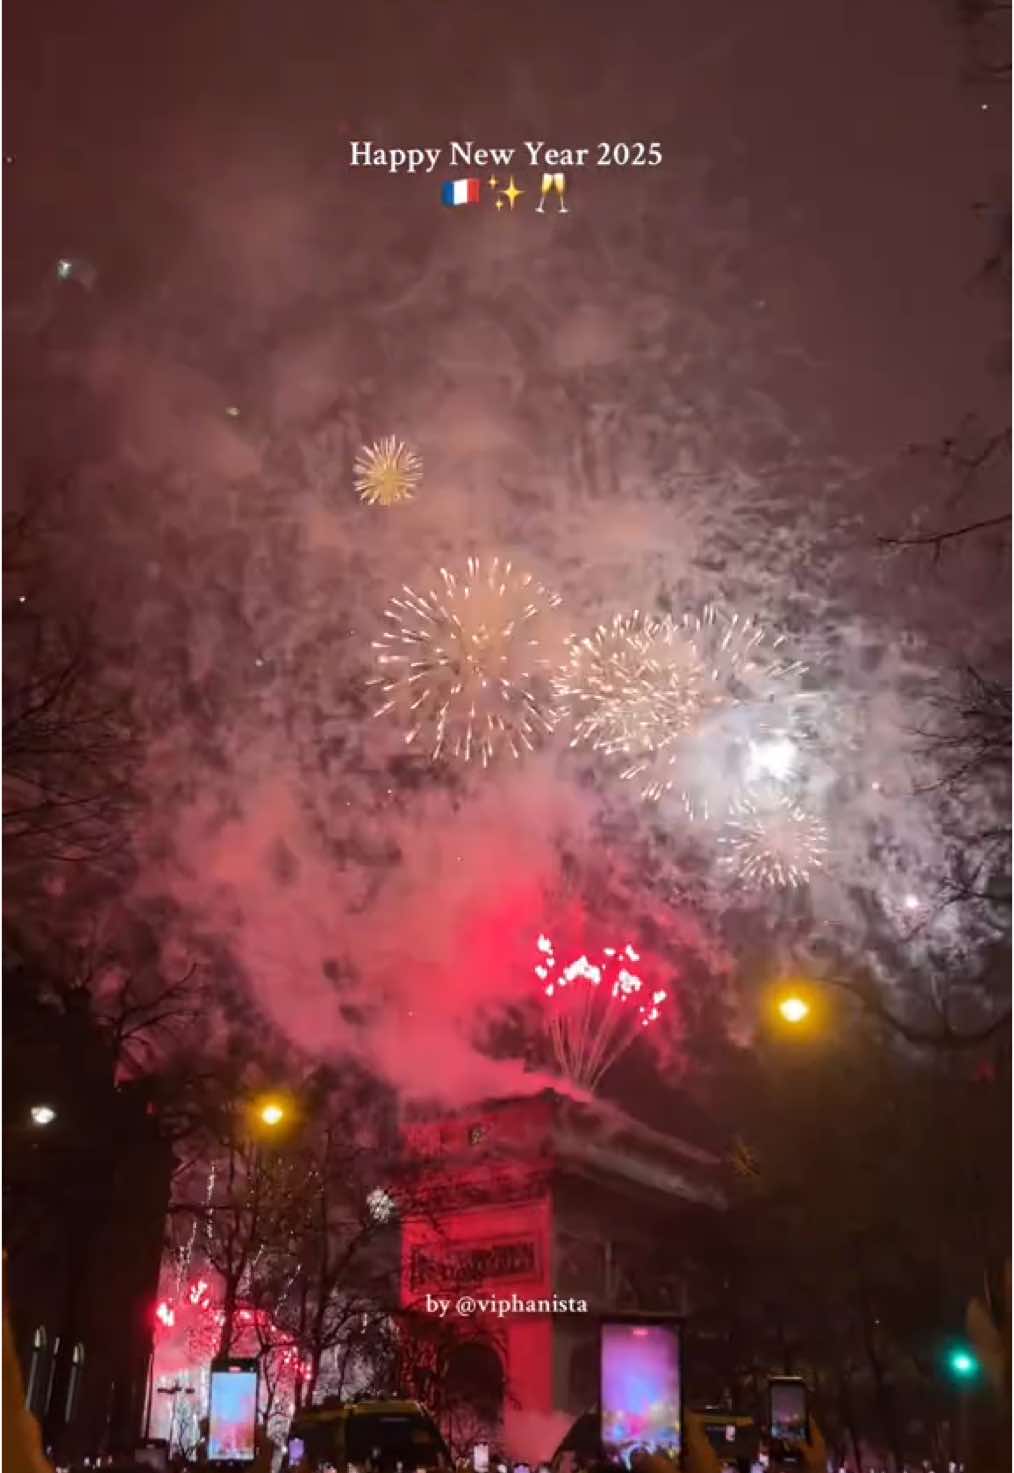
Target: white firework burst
column 739, row 651
column 464, row 666
column 387, row 472
column 633, row 686
column 774, row 842
column 739, row 737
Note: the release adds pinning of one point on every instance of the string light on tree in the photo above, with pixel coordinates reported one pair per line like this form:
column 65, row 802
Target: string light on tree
column 387, row 472
column 463, row 664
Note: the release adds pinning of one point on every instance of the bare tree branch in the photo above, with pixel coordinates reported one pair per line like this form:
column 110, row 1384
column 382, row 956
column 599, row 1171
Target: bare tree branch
column 68, row 748
column 937, row 539
column 944, row 1038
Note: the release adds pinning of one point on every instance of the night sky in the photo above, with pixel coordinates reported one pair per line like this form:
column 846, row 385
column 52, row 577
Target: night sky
column 701, row 384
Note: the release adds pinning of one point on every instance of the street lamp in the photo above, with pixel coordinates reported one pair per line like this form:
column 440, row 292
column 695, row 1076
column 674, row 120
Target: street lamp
column 271, row 1113
column 269, row 1119
column 42, row 1114
column 794, row 1009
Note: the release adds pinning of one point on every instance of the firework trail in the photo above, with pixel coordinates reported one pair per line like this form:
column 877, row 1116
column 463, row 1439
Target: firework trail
column 595, row 1009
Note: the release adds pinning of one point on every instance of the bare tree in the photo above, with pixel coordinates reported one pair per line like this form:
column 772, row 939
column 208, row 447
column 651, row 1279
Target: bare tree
column 69, row 744
column 949, row 1018
column 293, row 1226
column 977, row 462
column 945, row 1005
column 343, row 1252
column 975, row 454
column 142, row 1015
column 247, row 1214
column 868, row 1205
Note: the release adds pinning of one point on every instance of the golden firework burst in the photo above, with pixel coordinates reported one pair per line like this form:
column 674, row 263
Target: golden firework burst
column 463, row 664
column 387, row 472
column 634, row 686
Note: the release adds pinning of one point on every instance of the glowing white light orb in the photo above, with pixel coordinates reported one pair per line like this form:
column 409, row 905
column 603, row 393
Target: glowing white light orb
column 42, row 1114
column 776, row 760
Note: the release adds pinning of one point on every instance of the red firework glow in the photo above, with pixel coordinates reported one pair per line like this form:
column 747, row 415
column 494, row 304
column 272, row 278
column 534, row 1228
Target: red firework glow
column 254, row 1330
column 596, row 1007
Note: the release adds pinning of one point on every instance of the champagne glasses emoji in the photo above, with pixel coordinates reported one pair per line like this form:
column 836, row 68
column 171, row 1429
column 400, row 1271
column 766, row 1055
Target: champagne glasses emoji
column 551, row 182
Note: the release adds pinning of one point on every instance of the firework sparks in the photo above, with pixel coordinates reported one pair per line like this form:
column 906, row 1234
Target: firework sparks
column 775, row 843
column 387, row 473
column 463, row 663
column 747, row 689
column 634, row 686
column 595, row 1009
column 739, row 651
column 381, row 1205
column 774, row 760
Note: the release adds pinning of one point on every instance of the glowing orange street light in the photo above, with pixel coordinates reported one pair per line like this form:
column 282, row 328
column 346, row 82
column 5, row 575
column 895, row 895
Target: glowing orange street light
column 794, row 1009
column 271, row 1113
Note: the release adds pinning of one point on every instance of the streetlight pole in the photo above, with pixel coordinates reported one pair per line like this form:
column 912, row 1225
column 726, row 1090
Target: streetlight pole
column 964, row 1367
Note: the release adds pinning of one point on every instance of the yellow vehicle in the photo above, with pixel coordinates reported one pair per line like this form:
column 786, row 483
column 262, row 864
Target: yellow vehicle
column 365, row 1437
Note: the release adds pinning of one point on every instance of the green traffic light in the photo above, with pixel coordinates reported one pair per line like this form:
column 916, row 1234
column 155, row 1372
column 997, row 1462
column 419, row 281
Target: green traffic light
column 963, row 1363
